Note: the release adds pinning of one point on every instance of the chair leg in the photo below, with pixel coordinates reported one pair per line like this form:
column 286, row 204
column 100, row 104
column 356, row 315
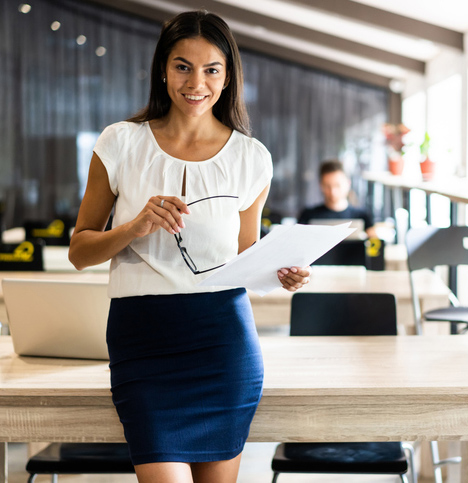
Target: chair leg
column 32, row 478
column 410, row 451
column 275, row 477
column 404, row 479
column 54, row 478
column 437, row 462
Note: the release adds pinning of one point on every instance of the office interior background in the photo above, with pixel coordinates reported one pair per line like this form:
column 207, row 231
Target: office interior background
column 321, row 79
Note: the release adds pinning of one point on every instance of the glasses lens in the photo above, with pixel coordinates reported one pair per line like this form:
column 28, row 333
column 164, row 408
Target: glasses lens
column 190, row 263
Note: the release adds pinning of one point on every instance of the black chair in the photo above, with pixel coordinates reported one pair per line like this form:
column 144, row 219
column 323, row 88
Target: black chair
column 366, row 253
column 429, row 247
column 24, row 256
column 52, row 232
column 359, row 314
column 80, row 458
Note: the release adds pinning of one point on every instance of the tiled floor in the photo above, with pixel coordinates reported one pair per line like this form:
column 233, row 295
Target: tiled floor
column 255, row 468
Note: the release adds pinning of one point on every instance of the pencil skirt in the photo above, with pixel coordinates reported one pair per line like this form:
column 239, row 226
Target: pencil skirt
column 186, row 374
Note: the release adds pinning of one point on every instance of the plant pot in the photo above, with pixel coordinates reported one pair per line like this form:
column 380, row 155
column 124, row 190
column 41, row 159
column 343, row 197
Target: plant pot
column 427, row 169
column 395, row 165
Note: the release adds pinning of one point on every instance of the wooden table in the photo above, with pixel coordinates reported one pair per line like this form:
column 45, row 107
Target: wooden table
column 56, row 260
column 316, row 389
column 453, row 187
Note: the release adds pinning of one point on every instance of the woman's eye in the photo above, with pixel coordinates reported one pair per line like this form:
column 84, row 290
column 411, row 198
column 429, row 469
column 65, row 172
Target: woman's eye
column 213, row 70
column 183, row 68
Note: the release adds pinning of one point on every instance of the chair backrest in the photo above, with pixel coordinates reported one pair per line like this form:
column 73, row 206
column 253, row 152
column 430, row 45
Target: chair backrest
column 431, row 246
column 348, row 252
column 343, row 314
column 54, row 232
column 367, row 253
column 24, row 256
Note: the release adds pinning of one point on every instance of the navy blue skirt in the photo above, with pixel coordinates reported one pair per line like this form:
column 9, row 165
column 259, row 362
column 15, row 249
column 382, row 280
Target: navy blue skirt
column 186, row 374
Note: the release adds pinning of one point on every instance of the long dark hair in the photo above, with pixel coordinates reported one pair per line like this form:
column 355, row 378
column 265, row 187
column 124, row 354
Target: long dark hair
column 230, row 108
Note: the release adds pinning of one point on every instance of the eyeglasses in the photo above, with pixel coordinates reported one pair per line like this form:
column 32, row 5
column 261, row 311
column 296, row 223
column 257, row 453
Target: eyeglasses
column 183, row 251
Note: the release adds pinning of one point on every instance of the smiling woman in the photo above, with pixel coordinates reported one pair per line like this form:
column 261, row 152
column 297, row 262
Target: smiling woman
column 186, row 367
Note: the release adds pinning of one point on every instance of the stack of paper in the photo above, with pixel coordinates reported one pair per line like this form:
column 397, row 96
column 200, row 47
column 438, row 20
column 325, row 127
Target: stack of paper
column 284, row 247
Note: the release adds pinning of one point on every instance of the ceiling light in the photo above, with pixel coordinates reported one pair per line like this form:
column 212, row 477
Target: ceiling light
column 24, row 8
column 100, row 51
column 397, row 86
column 142, row 74
column 81, row 39
column 55, row 25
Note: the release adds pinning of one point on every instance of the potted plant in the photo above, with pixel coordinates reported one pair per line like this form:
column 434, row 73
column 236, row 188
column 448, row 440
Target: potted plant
column 426, row 164
column 394, row 139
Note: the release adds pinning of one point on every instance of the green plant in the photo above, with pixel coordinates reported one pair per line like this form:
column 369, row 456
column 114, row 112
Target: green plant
column 424, row 147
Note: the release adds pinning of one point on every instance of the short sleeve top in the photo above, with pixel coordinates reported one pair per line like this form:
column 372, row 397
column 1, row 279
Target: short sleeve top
column 138, row 169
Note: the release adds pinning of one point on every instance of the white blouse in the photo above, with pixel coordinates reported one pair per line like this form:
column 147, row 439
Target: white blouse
column 139, row 169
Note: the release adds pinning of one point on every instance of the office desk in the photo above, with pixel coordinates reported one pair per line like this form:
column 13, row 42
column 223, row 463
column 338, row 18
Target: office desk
column 316, row 389
column 56, row 260
column 275, row 308
column 453, row 187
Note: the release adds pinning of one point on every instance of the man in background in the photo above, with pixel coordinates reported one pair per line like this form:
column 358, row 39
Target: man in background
column 335, row 186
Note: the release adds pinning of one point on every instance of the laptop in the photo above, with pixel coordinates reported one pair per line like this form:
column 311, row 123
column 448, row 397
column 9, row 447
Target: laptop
column 356, row 223
column 57, row 319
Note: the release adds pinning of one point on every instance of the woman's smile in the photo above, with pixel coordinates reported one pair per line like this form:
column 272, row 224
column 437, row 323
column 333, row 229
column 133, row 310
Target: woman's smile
column 194, row 100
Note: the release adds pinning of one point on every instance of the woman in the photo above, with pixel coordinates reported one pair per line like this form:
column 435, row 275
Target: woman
column 188, row 185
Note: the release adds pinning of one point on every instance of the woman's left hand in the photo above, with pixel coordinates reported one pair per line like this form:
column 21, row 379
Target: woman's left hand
column 294, row 278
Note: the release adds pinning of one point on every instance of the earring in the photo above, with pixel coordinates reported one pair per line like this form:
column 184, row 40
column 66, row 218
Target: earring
column 224, row 87
column 164, row 80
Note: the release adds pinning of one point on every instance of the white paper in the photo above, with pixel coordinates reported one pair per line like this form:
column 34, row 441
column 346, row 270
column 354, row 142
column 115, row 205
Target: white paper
column 285, row 246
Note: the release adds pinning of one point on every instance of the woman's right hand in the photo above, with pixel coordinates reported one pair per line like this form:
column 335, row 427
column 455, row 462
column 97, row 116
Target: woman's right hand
column 154, row 216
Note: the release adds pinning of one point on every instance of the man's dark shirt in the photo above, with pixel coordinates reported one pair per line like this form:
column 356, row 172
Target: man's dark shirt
column 321, row 212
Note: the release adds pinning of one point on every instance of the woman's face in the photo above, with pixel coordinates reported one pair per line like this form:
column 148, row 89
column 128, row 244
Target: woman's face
column 195, row 76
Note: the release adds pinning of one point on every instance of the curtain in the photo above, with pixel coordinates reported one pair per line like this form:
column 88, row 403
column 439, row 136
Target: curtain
column 304, row 117
column 57, row 93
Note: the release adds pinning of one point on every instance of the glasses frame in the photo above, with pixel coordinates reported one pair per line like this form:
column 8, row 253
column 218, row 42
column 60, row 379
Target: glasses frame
column 183, row 251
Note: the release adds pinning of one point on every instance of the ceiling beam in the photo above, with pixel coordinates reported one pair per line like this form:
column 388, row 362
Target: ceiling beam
column 388, row 20
column 308, row 60
column 293, row 30
column 135, row 7
column 159, row 14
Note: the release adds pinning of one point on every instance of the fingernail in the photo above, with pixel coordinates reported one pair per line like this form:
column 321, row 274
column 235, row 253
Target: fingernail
column 280, row 275
column 188, row 211
column 173, row 231
column 283, row 270
column 294, row 269
column 182, row 224
column 178, row 229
